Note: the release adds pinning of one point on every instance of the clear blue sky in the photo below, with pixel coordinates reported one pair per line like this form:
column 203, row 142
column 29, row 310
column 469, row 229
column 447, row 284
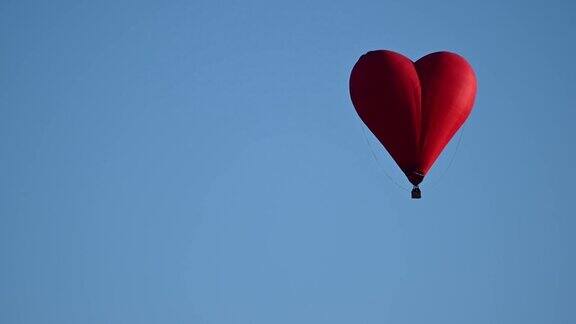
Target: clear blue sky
column 200, row 162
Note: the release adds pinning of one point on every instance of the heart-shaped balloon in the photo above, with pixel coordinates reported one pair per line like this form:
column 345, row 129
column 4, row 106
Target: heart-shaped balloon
column 413, row 108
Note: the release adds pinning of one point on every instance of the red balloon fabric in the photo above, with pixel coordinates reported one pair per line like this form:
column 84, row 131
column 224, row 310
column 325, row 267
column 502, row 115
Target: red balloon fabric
column 413, row 108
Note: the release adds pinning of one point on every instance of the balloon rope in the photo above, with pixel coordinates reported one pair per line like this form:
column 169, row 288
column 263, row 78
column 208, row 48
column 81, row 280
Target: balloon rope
column 441, row 176
column 378, row 161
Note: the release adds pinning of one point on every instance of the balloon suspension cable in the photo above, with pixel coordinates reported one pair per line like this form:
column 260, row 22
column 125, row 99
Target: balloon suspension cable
column 378, row 161
column 452, row 158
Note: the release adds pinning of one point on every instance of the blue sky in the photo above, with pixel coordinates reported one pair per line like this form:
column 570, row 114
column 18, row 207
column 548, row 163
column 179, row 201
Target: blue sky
column 200, row 162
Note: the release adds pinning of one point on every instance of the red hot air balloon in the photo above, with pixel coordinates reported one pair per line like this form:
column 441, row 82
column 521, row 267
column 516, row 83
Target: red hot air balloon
column 413, row 108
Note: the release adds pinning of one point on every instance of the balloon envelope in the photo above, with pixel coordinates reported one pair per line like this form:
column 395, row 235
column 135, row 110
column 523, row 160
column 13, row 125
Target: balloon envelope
column 413, row 108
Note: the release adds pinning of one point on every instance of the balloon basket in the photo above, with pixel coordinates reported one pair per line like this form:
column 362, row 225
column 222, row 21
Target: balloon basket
column 416, row 193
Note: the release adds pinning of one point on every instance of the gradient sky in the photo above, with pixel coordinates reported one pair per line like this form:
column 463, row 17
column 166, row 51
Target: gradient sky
column 200, row 162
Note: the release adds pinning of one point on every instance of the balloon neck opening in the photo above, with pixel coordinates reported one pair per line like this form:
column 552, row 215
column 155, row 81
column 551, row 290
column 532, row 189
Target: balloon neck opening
column 415, row 177
column 416, row 193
